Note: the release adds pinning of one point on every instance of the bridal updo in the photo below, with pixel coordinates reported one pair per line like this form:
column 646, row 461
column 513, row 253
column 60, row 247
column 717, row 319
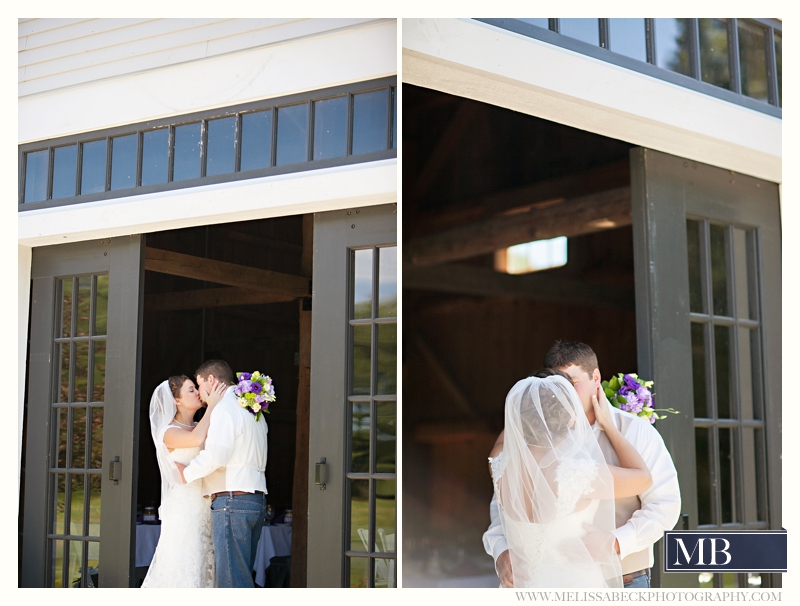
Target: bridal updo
column 176, row 384
column 551, row 425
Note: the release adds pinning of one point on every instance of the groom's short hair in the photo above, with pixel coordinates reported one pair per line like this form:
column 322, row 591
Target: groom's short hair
column 218, row 368
column 567, row 353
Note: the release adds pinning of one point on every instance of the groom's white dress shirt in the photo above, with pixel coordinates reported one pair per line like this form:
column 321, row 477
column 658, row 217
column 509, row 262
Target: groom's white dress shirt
column 641, row 520
column 235, row 452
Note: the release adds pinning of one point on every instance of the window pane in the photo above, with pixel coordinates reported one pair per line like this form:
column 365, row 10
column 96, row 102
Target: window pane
column 154, row 156
column 384, row 573
column 93, row 167
column 76, row 511
column 123, row 162
column 56, row 570
column 96, row 439
column 362, row 289
column 359, row 572
column 753, row 61
column 587, row 30
column 36, row 176
column 747, row 375
column 101, row 306
column 66, row 307
column 221, row 150
column 60, row 490
column 362, row 351
column 81, row 371
column 330, row 128
column 359, row 461
column 386, row 439
column 741, row 269
column 723, row 355
column 369, row 121
column 78, row 437
column 387, row 282
column 628, row 37
column 387, row 359
column 256, row 139
column 292, row 134
column 694, row 250
column 64, row 171
column 359, row 515
column 385, row 515
column 187, row 152
column 84, row 306
column 60, row 447
column 714, row 52
column 672, row 39
column 778, row 57
column 719, row 270
column 704, row 479
column 699, row 371
column 727, row 476
column 99, row 374
column 63, row 372
column 751, row 475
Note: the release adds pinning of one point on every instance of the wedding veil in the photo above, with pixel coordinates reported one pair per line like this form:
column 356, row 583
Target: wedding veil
column 555, row 491
column 162, row 412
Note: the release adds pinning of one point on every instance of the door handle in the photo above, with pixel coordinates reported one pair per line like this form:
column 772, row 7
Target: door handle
column 115, row 470
column 321, row 473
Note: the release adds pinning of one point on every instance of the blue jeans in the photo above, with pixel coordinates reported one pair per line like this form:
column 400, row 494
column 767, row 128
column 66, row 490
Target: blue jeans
column 642, row 582
column 237, row 522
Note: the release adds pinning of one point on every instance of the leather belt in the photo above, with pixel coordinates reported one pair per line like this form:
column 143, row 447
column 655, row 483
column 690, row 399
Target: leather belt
column 228, row 493
column 627, row 579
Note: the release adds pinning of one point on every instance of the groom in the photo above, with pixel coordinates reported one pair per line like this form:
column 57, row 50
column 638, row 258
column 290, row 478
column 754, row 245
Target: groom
column 641, row 520
column 232, row 466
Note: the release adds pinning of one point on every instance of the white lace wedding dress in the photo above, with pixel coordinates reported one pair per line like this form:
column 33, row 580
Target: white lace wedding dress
column 553, row 554
column 184, row 556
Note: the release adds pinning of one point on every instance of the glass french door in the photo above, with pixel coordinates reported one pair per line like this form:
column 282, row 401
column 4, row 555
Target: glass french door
column 708, row 262
column 82, row 405
column 352, row 526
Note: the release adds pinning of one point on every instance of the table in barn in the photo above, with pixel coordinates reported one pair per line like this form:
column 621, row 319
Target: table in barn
column 276, row 539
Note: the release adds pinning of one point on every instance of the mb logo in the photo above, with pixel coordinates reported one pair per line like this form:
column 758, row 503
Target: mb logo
column 725, row 551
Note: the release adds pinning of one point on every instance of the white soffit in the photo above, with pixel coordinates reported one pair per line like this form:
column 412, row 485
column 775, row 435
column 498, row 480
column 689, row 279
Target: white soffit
column 474, row 60
column 351, row 186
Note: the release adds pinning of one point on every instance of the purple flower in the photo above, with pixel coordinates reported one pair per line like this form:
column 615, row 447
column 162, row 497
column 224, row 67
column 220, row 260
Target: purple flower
column 629, row 384
column 261, row 398
column 255, row 387
column 652, row 419
column 633, row 404
column 245, row 376
column 644, row 394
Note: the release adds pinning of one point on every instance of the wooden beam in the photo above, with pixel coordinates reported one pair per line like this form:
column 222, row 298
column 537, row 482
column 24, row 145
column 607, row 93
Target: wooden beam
column 210, row 297
column 231, row 274
column 447, row 144
column 593, row 180
column 466, row 280
column 445, row 378
column 575, row 217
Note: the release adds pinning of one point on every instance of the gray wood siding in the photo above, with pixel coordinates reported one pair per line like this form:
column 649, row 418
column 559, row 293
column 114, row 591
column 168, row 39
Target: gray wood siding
column 62, row 53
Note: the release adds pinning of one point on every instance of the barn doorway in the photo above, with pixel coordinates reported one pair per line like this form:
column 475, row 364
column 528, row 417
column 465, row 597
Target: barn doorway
column 234, row 292
column 478, row 179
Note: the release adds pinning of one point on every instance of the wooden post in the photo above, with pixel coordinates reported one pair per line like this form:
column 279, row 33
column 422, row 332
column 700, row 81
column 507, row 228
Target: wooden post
column 300, row 486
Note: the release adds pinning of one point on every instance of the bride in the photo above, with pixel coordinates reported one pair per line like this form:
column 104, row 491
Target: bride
column 184, row 556
column 555, row 490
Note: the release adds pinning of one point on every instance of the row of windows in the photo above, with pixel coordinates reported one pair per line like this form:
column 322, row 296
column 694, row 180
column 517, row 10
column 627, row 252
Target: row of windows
column 739, row 55
column 226, row 143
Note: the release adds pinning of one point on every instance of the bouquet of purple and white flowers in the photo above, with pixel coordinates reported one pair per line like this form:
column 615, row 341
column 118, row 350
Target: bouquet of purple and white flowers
column 628, row 392
column 254, row 392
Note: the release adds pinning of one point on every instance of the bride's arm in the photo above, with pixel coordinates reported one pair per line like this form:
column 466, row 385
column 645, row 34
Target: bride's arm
column 496, row 449
column 189, row 438
column 633, row 476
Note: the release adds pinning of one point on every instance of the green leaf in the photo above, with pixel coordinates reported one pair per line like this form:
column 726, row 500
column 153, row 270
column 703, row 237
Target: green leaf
column 621, row 399
column 609, row 393
column 614, row 383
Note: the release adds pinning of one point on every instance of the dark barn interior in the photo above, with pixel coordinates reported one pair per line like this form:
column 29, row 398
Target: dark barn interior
column 476, row 179
column 232, row 291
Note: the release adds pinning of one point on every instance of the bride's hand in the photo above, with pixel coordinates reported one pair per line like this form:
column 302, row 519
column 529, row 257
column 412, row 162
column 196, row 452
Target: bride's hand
column 217, row 392
column 602, row 412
